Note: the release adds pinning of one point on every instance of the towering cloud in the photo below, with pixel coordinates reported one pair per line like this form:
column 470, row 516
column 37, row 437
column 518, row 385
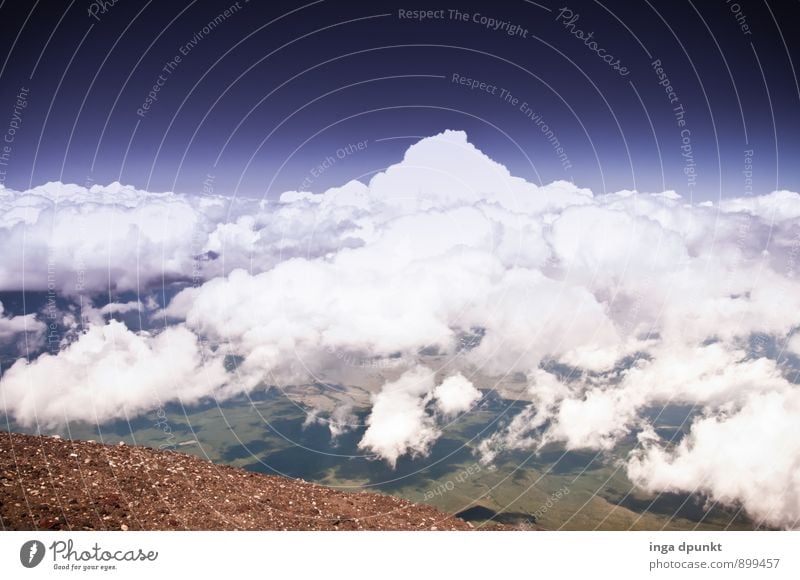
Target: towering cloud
column 611, row 305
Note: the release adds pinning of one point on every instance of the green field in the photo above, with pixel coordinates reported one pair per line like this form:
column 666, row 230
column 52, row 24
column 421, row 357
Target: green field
column 557, row 489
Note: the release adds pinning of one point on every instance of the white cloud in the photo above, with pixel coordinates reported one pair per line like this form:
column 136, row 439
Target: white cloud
column 340, row 421
column 12, row 326
column 122, row 308
column 73, row 239
column 793, row 344
column 111, row 372
column 776, row 206
column 20, row 335
column 455, row 395
column 524, row 431
column 399, row 423
column 749, row 457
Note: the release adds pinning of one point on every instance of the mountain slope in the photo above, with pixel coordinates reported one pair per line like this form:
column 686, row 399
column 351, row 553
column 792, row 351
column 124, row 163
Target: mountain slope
column 53, row 484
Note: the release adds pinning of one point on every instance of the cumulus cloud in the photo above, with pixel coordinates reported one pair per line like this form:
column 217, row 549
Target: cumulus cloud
column 111, row 372
column 609, row 304
column 399, row 423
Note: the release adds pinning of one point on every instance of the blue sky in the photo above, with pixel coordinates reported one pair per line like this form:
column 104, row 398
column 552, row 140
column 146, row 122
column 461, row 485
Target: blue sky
column 252, row 98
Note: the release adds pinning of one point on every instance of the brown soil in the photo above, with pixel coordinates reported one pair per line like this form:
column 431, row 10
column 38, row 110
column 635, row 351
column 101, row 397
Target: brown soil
column 47, row 483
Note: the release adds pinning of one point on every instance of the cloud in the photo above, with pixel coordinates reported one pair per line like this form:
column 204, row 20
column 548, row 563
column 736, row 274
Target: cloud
column 73, row 239
column 340, row 421
column 403, row 420
column 776, row 206
column 455, row 395
column 11, row 326
column 122, row 307
column 398, row 423
column 86, row 240
column 793, row 345
column 111, row 372
column 609, row 304
column 20, row 334
column 749, row 457
column 547, row 392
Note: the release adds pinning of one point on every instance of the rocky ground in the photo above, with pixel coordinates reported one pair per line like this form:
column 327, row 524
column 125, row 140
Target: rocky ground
column 48, row 483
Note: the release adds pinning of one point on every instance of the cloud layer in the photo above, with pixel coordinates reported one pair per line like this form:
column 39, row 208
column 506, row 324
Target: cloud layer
column 611, row 305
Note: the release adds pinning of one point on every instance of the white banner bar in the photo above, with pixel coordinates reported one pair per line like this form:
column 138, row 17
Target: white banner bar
column 420, row 555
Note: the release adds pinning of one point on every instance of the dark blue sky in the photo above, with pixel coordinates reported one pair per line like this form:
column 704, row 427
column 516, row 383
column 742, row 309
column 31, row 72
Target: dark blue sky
column 269, row 90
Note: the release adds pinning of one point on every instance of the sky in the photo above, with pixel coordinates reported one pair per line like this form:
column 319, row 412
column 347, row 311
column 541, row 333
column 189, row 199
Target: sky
column 270, row 97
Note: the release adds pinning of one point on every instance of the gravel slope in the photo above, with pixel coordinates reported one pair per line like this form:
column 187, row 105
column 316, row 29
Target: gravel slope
column 53, row 484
